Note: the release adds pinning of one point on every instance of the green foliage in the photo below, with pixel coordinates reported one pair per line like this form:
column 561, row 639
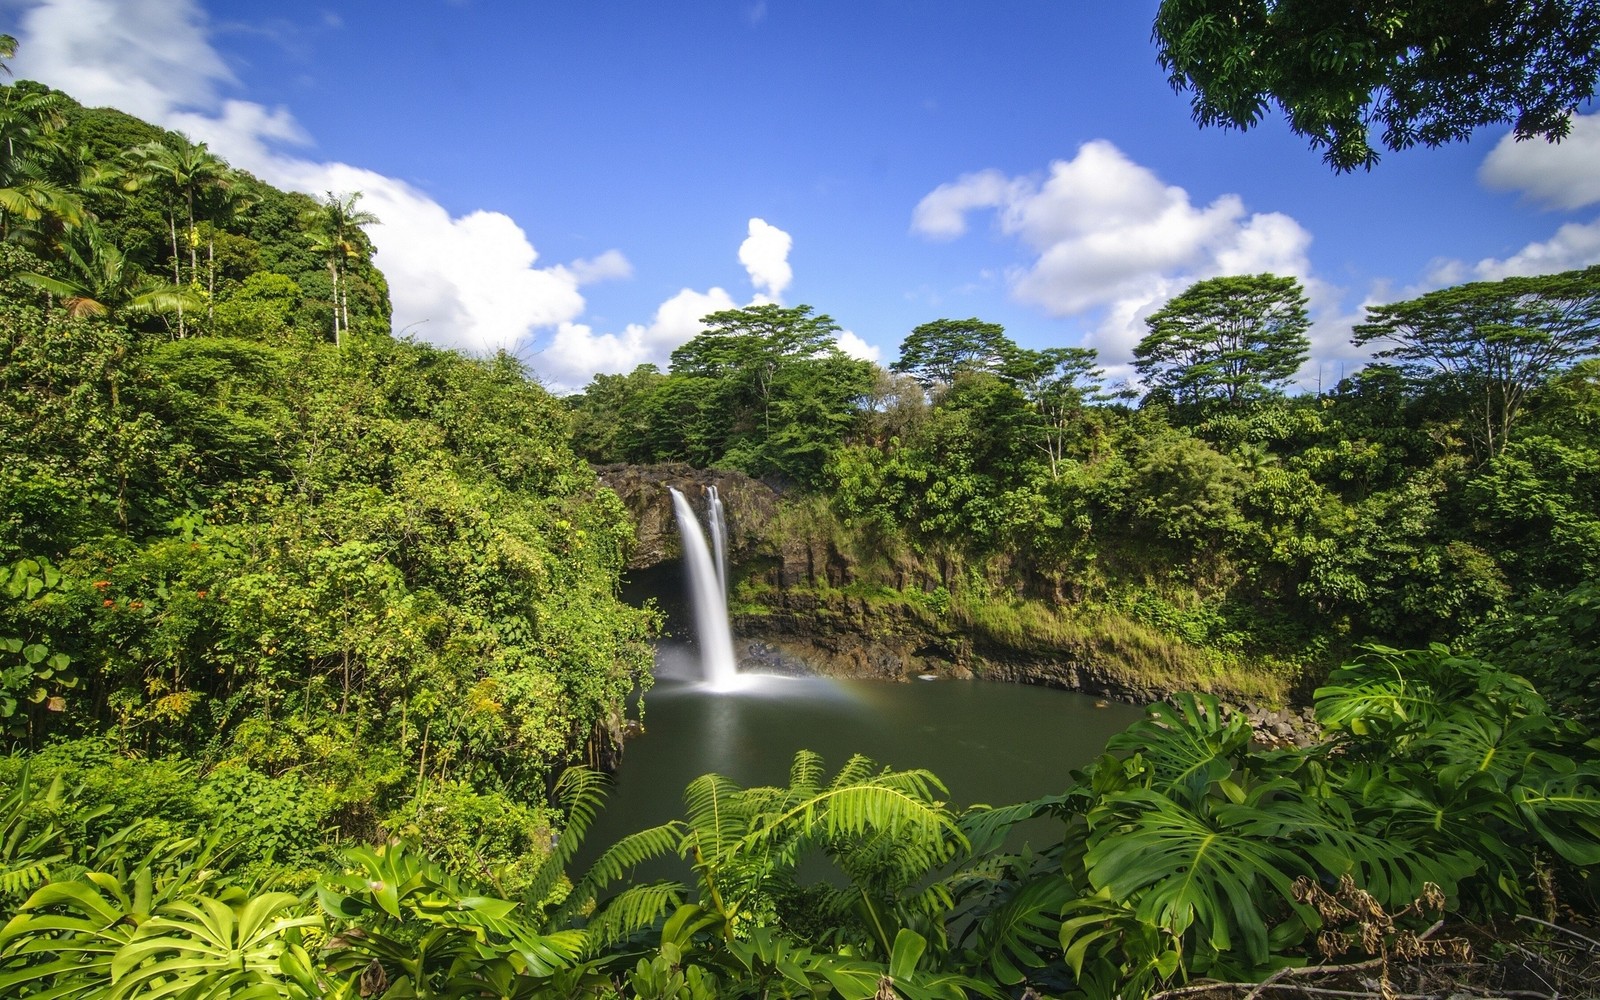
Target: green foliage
column 30, row 671
column 1426, row 71
column 934, row 352
column 1493, row 343
column 1185, row 851
column 1233, row 339
column 1552, row 638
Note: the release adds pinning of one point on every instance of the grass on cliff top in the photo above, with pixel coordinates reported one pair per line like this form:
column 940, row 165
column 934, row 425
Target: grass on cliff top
column 1143, row 656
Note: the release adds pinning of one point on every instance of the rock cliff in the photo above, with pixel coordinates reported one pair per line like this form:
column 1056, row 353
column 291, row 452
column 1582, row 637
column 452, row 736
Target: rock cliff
column 799, row 615
column 750, row 506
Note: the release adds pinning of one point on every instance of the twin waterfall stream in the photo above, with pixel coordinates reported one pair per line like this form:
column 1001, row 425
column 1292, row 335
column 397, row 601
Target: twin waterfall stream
column 708, row 586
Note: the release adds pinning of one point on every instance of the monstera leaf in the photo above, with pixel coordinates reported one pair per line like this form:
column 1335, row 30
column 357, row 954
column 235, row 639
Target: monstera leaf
column 1019, row 933
column 1222, row 868
column 1187, row 743
column 1392, row 695
column 1564, row 810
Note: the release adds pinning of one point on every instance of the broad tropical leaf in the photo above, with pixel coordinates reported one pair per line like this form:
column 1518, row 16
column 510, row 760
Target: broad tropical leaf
column 1221, row 869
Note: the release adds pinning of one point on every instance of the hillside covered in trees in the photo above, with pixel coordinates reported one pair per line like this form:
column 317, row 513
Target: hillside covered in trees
column 1438, row 493
column 307, row 631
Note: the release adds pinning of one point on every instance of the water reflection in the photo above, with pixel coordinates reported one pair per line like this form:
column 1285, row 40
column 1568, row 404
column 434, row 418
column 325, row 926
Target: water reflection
column 989, row 743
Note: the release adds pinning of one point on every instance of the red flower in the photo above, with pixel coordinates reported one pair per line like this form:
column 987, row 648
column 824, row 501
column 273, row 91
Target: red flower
column 101, row 584
column 135, row 604
column 200, row 594
column 107, row 603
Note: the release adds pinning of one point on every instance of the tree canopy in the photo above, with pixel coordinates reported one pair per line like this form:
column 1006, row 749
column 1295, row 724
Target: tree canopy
column 1230, row 338
column 1497, row 341
column 934, row 352
column 1421, row 71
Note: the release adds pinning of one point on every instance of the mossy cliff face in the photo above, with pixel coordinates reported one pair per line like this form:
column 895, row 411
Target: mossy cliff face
column 814, row 596
column 750, row 507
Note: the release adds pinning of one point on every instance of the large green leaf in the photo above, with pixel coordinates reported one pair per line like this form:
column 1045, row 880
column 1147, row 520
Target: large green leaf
column 211, row 948
column 1564, row 810
column 1187, row 743
column 1223, row 869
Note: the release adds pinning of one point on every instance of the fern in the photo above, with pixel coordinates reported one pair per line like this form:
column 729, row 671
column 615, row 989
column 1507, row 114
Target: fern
column 716, row 822
column 617, row 861
column 580, row 793
column 25, row 877
column 631, row 911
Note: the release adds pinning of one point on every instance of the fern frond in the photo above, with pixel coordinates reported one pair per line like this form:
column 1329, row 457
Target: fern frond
column 631, row 911
column 805, row 773
column 856, row 770
column 21, row 879
column 716, row 821
column 579, row 793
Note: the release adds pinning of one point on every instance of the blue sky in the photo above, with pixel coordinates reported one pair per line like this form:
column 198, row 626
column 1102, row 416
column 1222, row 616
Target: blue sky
column 579, row 182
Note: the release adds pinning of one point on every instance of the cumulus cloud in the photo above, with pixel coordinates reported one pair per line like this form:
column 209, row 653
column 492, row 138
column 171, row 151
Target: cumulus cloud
column 129, row 54
column 1109, row 242
column 854, row 346
column 576, row 352
column 472, row 281
column 1574, row 245
column 1559, row 175
column 765, row 255
column 942, row 213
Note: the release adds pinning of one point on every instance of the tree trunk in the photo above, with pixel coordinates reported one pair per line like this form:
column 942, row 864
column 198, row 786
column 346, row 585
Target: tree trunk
column 333, row 275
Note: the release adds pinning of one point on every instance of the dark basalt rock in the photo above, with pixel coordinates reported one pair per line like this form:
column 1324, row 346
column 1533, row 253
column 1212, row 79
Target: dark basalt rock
column 749, row 503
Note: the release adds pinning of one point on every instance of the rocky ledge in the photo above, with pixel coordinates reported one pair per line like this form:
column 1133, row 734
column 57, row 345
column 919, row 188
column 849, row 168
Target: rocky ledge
column 803, row 633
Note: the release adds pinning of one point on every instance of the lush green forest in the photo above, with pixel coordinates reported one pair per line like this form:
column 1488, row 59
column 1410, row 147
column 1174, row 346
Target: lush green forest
column 1426, row 498
column 310, row 643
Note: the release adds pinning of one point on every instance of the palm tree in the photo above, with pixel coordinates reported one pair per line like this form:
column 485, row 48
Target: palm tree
column 101, row 282
column 27, row 194
column 334, row 225
column 191, row 175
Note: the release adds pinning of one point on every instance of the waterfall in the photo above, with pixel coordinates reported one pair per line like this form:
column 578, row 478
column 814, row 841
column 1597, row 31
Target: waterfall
column 719, row 538
column 708, row 590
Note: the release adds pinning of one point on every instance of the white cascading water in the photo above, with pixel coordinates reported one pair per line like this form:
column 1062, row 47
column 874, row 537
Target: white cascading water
column 707, row 593
column 719, row 538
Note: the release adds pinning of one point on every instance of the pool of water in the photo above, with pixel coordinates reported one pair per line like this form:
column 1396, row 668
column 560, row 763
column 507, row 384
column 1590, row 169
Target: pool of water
column 989, row 743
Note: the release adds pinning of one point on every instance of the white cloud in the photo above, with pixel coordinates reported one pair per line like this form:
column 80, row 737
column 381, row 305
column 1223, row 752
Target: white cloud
column 142, row 56
column 1560, row 175
column 942, row 213
column 606, row 267
column 576, row 353
column 470, row 281
column 1110, row 242
column 765, row 254
column 854, row 346
column 1574, row 245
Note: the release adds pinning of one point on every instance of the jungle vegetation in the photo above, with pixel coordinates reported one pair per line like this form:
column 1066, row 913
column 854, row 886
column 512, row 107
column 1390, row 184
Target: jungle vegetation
column 307, row 634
